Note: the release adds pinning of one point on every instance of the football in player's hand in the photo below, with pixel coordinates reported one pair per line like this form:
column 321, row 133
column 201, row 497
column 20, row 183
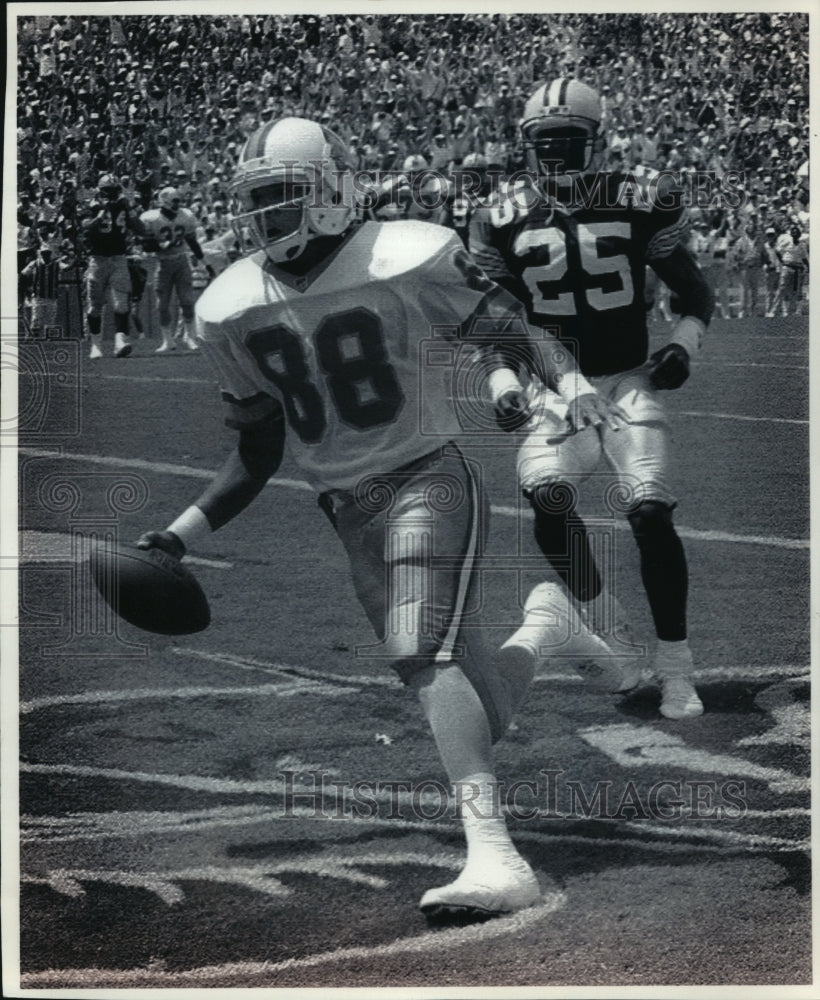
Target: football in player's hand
column 150, row 589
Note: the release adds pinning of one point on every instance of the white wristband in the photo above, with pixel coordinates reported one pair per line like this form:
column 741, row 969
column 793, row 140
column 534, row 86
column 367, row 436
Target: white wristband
column 190, row 525
column 689, row 334
column 503, row 380
column 571, row 385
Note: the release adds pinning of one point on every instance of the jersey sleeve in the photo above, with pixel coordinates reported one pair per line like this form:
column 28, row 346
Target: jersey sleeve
column 482, row 312
column 245, row 400
column 458, row 291
column 482, row 246
column 668, row 219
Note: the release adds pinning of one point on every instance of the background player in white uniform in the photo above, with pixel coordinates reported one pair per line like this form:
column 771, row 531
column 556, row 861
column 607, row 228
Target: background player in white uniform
column 171, row 234
column 574, row 248
column 318, row 338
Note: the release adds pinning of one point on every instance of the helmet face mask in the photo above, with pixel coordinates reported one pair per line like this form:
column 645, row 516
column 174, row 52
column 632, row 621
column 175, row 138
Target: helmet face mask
column 294, row 183
column 169, row 200
column 560, row 130
column 274, row 212
column 564, row 150
column 109, row 187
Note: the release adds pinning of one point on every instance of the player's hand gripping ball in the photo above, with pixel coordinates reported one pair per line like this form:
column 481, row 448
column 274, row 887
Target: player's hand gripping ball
column 147, row 585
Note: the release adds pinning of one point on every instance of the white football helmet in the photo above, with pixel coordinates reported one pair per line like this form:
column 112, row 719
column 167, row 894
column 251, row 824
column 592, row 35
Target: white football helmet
column 414, row 164
column 561, row 130
column 169, row 199
column 293, row 183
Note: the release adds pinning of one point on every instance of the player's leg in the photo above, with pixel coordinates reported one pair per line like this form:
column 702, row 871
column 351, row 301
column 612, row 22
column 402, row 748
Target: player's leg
column 187, row 298
column 554, row 636
column 138, row 276
column 414, row 565
column 779, row 294
column 165, row 289
column 121, row 295
column 96, row 283
column 640, row 455
column 551, row 462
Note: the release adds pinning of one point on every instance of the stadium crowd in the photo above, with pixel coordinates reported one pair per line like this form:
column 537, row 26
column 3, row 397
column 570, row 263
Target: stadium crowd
column 169, row 100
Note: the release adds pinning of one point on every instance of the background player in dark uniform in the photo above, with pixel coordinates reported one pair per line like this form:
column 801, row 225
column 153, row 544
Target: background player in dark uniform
column 470, row 184
column 105, row 229
column 573, row 246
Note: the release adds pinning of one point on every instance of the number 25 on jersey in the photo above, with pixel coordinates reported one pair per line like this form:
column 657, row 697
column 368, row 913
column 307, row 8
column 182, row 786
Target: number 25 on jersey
column 549, row 301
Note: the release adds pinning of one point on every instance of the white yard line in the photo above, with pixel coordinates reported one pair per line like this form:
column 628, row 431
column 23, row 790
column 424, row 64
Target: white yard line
column 166, row 468
column 56, row 547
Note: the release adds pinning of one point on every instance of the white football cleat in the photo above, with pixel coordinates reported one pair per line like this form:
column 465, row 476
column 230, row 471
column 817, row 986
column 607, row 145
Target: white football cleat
column 611, row 674
column 164, row 348
column 121, row 346
column 621, row 672
column 494, row 891
column 95, row 352
column 680, row 699
column 190, row 343
column 557, row 628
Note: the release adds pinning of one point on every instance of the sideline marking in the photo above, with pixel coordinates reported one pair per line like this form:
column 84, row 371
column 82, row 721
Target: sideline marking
column 310, row 681
column 735, row 416
column 712, row 362
column 296, row 686
column 630, row 746
column 124, row 825
column 326, row 801
column 682, row 413
column 161, row 379
column 428, row 942
column 288, row 669
column 693, row 534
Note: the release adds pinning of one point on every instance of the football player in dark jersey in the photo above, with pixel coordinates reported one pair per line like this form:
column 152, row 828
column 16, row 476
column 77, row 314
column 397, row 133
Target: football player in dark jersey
column 471, row 182
column 105, row 227
column 573, row 243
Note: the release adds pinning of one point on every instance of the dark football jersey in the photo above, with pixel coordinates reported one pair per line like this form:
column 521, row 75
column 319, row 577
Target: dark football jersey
column 581, row 271
column 105, row 226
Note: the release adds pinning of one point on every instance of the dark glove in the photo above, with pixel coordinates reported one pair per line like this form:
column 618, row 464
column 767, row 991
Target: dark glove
column 669, row 367
column 512, row 410
column 165, row 540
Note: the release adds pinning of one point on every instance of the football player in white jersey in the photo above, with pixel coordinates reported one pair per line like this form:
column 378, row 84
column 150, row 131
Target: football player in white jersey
column 171, row 234
column 574, row 248
column 318, row 341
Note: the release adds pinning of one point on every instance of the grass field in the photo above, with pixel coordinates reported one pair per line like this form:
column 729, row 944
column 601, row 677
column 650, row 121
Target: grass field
column 174, row 830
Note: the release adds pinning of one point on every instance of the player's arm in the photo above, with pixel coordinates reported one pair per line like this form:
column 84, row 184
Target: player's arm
column 238, row 482
column 667, row 255
column 149, row 240
column 196, row 250
column 669, row 366
column 134, row 222
column 508, row 342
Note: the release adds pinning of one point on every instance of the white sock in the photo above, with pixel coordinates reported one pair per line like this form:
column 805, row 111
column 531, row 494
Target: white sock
column 673, row 659
column 488, row 839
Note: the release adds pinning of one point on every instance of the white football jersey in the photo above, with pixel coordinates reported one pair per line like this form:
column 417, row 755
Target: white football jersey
column 363, row 354
column 170, row 234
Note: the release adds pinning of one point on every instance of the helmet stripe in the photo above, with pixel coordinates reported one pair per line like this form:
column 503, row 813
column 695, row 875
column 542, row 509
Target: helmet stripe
column 257, row 149
column 562, row 94
column 557, row 91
